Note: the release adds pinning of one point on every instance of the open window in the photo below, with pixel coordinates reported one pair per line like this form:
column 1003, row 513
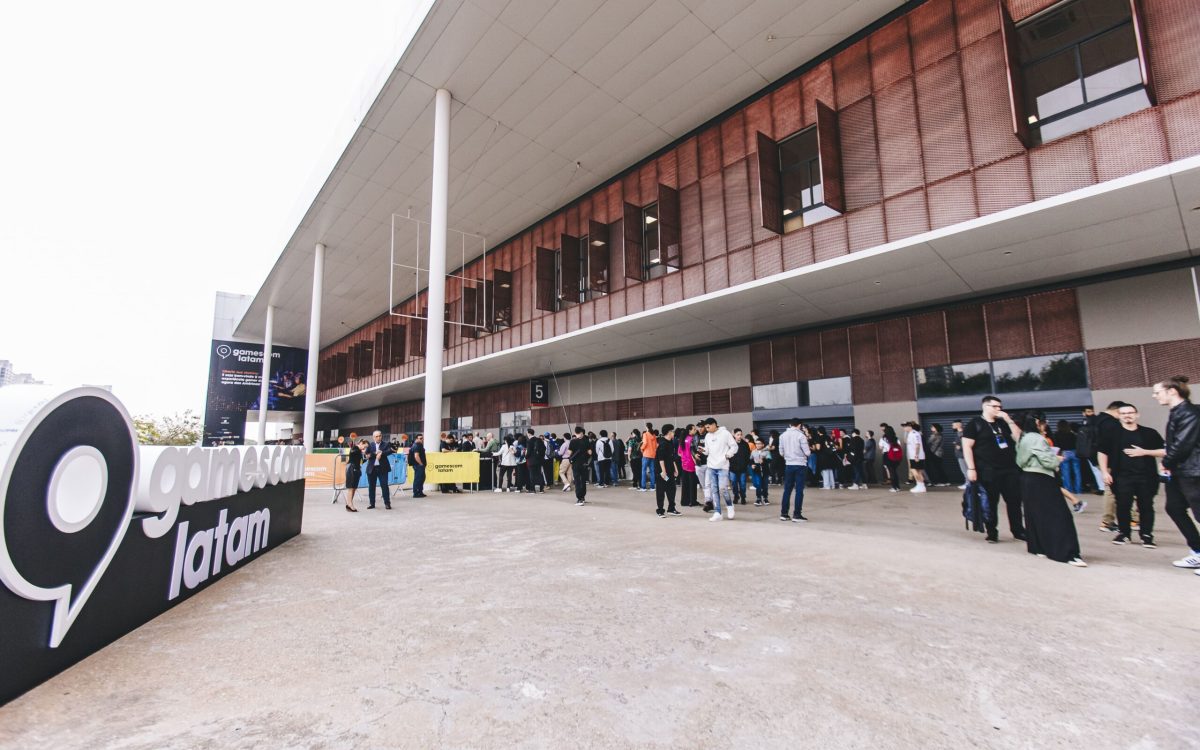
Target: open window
column 416, row 334
column 571, row 270
column 383, row 350
column 631, row 242
column 545, row 264
column 656, row 250
column 597, row 258
column 800, row 178
column 397, row 349
column 500, row 299
column 472, row 307
column 1075, row 65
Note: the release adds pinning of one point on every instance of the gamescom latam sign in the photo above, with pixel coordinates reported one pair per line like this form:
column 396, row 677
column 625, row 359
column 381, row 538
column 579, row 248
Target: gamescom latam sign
column 97, row 535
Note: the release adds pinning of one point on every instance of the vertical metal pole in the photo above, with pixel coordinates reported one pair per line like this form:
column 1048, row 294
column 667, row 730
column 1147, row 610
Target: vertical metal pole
column 264, row 390
column 434, row 335
column 314, row 349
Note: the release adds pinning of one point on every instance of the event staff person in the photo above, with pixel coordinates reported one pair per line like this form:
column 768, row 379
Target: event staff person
column 1132, row 477
column 378, row 468
column 416, row 459
column 666, row 463
column 989, row 445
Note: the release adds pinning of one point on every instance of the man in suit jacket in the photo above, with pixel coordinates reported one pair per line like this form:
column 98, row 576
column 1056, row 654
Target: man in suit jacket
column 378, row 468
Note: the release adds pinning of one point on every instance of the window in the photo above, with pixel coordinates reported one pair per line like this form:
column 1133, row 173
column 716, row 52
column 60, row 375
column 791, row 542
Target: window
column 954, row 380
column 1080, row 64
column 803, row 195
column 1053, row 373
column 653, row 264
column 826, row 392
column 776, row 396
column 515, row 422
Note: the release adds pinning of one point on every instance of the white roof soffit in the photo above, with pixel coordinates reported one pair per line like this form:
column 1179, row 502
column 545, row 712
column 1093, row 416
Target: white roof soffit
column 1136, row 221
column 538, row 86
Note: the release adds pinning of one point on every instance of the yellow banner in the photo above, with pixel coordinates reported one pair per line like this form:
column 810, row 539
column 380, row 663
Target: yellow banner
column 320, row 470
column 450, row 468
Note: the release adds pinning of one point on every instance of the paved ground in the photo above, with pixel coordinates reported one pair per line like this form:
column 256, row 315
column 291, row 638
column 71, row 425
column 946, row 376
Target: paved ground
column 522, row 621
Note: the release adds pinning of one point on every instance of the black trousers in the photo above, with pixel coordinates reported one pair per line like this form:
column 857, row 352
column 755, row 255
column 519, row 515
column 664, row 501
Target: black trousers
column 664, row 488
column 605, row 468
column 579, row 474
column 1182, row 493
column 506, row 477
column 380, row 478
column 690, row 483
column 533, row 474
column 1141, row 491
column 936, row 470
column 1006, row 484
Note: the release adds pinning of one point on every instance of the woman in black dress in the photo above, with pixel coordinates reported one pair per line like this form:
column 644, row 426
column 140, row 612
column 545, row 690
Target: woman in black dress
column 354, row 472
column 1048, row 522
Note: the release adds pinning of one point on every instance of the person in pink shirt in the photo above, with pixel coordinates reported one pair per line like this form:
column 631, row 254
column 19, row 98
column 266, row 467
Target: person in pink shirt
column 688, row 462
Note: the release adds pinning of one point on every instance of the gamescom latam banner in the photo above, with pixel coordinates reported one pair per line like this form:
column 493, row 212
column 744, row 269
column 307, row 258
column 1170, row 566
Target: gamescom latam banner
column 98, row 536
column 234, row 376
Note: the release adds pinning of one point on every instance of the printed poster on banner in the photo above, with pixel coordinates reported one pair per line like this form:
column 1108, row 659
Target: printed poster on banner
column 450, row 468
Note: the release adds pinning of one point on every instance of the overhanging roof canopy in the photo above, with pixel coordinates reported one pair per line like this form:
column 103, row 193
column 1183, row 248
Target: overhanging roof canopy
column 551, row 98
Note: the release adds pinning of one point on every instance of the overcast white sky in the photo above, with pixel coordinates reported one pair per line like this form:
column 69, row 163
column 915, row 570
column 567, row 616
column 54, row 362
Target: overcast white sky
column 153, row 153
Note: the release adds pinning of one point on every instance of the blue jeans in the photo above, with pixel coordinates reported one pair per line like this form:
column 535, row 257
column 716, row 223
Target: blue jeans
column 616, row 470
column 716, row 488
column 1070, row 472
column 793, row 479
column 737, row 482
column 647, row 480
column 759, row 478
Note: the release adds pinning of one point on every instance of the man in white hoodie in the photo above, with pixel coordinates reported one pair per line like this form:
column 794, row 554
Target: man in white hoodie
column 719, row 446
column 916, row 454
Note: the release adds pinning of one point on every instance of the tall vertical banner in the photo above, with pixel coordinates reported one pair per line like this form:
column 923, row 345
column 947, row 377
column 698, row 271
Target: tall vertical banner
column 99, row 535
column 234, row 377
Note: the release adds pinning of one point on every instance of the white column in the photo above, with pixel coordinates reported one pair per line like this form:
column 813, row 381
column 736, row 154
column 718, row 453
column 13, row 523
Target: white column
column 437, row 270
column 314, row 350
column 264, row 389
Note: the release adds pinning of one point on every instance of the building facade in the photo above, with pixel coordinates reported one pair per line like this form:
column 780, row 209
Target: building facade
column 952, row 201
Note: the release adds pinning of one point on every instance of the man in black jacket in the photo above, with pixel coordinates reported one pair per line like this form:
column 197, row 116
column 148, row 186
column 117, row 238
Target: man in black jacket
column 1181, row 457
column 535, row 453
column 739, row 465
column 1106, row 429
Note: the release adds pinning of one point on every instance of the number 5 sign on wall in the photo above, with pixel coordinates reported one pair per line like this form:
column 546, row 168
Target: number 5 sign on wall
column 539, row 393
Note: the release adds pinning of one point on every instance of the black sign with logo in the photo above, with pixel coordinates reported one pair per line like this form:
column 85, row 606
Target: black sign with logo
column 234, row 379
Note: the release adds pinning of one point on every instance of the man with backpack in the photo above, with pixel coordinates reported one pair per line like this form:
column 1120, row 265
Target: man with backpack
column 535, row 454
column 604, row 453
column 989, row 448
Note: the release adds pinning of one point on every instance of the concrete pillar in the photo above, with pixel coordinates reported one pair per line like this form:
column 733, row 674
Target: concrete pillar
column 314, row 350
column 434, row 335
column 264, row 389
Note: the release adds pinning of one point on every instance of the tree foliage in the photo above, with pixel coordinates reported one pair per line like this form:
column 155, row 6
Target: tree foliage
column 179, row 429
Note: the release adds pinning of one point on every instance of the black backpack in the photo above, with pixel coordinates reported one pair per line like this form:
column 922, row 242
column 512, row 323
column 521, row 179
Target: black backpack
column 975, row 507
column 1085, row 440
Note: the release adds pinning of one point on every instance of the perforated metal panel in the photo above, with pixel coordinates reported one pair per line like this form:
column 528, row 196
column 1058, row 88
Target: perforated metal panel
column 989, row 116
column 865, row 228
column 733, row 138
column 737, row 206
column 768, row 258
column 966, row 334
column 1170, row 358
column 895, row 352
column 975, row 20
column 672, row 288
column 1130, row 144
column 693, row 281
column 716, row 274
column 944, row 143
column 1008, row 330
column 852, row 74
column 860, row 157
column 785, row 110
column 899, row 138
column 668, row 170
column 931, row 30
column 1116, row 367
column 1003, row 185
column 891, row 58
column 712, row 208
column 652, row 294
column 952, row 201
column 835, row 352
column 898, row 385
column 1182, row 120
column 928, row 332
column 688, row 164
column 816, row 85
column 691, row 225
column 709, row 148
column 1174, row 27
column 906, row 215
column 761, row 370
column 808, row 355
column 829, row 239
column 864, row 349
column 798, row 249
column 634, row 298
column 1055, row 320
column 741, row 266
column 1062, row 166
column 867, row 388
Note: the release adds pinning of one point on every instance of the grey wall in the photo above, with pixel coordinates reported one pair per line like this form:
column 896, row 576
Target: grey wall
column 1139, row 310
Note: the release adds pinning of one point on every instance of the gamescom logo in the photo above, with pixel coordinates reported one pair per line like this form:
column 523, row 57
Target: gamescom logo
column 223, row 351
column 73, row 476
column 248, row 356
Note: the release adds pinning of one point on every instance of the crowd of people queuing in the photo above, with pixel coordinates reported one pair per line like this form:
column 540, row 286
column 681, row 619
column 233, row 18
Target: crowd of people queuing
column 1038, row 472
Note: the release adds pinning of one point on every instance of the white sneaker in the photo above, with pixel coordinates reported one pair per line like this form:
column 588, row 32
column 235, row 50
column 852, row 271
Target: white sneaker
column 1191, row 561
column 729, row 510
column 716, row 516
column 919, row 488
column 962, row 486
column 496, row 490
column 1077, row 563
column 893, row 490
